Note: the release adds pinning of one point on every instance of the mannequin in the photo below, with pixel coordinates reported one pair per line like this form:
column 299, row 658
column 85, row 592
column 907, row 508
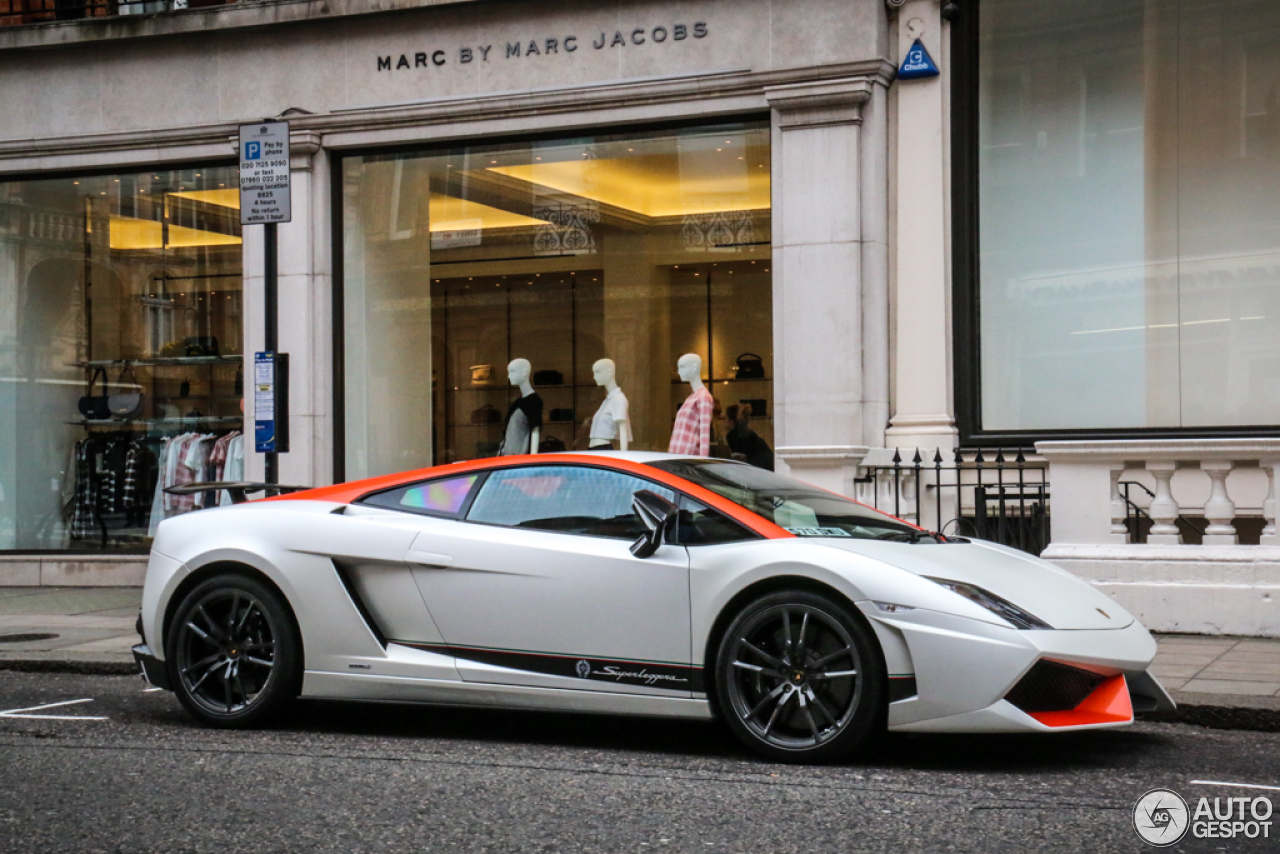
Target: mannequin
column 611, row 418
column 692, row 431
column 524, row 418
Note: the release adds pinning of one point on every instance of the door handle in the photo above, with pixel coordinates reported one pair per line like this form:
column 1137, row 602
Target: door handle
column 428, row 558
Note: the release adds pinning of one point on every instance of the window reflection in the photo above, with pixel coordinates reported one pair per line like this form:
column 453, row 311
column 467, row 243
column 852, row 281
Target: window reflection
column 1130, row 233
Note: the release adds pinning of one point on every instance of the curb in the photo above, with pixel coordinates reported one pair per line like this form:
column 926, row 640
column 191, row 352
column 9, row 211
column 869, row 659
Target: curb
column 1212, row 716
column 1219, row 717
column 63, row 665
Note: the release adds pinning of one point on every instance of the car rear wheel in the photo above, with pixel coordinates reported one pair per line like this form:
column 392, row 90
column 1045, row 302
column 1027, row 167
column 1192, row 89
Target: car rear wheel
column 235, row 655
column 800, row 677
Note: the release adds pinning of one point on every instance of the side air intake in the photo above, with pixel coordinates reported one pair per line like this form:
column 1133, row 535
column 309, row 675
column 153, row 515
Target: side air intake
column 1053, row 687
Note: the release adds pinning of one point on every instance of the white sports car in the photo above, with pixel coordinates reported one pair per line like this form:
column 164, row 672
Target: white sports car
column 631, row 583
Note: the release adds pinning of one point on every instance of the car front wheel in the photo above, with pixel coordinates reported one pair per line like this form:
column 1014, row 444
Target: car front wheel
column 800, row 677
column 235, row 655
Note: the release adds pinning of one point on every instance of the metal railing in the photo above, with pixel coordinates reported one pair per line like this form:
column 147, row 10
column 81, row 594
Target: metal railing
column 22, row 13
column 1138, row 521
column 996, row 496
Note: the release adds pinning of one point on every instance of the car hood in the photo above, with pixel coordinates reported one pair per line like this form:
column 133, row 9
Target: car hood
column 1047, row 591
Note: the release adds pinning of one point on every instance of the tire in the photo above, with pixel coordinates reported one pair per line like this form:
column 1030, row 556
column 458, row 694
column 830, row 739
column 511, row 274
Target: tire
column 800, row 678
column 234, row 652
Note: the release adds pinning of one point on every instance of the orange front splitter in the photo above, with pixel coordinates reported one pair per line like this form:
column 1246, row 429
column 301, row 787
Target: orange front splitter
column 1108, row 704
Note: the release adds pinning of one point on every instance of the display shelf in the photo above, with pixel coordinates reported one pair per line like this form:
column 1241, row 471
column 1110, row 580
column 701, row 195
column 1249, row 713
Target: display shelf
column 149, row 422
column 512, row 388
column 162, row 361
column 724, row 381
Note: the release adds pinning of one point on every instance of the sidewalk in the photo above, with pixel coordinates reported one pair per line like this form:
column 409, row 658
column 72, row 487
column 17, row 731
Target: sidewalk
column 69, row 629
column 1217, row 681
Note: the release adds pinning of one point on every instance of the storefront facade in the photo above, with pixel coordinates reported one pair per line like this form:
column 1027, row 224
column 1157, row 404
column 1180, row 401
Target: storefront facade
column 560, row 186
column 1062, row 241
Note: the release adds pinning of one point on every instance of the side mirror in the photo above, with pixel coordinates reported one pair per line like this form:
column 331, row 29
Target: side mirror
column 659, row 516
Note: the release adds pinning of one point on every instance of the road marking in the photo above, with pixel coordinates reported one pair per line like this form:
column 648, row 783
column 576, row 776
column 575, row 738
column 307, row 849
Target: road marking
column 1236, row 785
column 19, row 713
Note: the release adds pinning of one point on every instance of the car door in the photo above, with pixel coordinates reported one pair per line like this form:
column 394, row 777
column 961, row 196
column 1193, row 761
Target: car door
column 367, row 543
column 538, row 585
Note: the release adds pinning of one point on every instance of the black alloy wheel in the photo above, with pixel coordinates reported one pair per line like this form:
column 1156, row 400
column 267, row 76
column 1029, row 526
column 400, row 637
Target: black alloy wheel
column 234, row 652
column 800, row 677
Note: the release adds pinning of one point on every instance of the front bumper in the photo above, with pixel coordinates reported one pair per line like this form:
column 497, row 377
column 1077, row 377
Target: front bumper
column 965, row 669
column 153, row 669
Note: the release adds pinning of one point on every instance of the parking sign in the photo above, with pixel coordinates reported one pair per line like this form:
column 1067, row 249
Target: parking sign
column 264, row 173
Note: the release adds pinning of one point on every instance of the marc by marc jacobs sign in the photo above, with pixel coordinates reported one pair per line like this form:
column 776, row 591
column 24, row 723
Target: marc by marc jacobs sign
column 638, row 37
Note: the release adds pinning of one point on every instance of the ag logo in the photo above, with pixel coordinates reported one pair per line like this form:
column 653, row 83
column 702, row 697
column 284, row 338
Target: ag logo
column 1161, row 817
column 584, row 669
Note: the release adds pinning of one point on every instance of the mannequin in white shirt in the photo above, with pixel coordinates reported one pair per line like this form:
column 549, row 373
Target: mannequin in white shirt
column 611, row 418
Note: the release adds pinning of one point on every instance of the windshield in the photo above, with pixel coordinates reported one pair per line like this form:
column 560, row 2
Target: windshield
column 797, row 507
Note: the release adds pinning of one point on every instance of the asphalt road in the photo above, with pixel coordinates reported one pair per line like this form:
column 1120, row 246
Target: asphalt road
column 354, row 778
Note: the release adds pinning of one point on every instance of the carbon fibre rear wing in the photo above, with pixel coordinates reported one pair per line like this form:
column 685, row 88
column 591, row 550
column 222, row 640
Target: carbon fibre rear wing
column 237, row 489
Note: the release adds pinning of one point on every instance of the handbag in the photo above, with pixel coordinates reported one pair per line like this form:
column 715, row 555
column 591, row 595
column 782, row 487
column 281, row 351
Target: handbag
column 551, row 445
column 201, row 345
column 94, row 406
column 561, row 415
column 128, row 405
column 481, row 374
column 750, row 367
column 548, row 378
column 487, row 414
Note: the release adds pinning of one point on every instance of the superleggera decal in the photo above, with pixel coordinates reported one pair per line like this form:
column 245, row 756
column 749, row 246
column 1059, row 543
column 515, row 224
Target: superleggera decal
column 674, row 677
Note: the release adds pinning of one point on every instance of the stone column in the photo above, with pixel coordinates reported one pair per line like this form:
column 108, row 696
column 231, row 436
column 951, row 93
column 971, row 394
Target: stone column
column 1119, row 509
column 1220, row 510
column 922, row 336
column 1269, row 537
column 818, row 310
column 1164, row 508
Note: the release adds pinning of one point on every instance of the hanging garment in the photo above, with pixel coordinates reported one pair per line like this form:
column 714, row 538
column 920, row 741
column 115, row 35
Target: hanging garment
column 83, row 505
column 692, row 431
column 169, row 472
column 158, row 501
column 191, row 469
column 234, row 469
column 132, row 474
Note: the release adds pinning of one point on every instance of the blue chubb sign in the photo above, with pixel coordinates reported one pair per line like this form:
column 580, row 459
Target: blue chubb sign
column 917, row 63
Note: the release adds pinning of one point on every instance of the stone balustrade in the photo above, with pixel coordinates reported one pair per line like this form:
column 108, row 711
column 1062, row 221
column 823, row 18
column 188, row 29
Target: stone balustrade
column 1229, row 583
column 1215, row 479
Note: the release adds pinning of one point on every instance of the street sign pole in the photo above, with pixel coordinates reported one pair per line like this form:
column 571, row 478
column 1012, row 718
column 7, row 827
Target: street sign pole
column 271, row 301
column 265, row 200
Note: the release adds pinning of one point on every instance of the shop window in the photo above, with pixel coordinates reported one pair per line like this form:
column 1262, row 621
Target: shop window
column 120, row 341
column 637, row 249
column 1128, row 216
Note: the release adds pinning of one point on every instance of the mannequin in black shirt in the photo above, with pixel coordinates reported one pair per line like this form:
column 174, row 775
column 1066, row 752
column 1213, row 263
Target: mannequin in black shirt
column 524, row 418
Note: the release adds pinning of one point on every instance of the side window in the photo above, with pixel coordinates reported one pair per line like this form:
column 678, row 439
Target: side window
column 702, row 526
column 565, row 499
column 444, row 497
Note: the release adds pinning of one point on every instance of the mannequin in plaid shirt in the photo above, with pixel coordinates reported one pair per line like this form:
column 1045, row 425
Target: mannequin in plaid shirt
column 692, row 432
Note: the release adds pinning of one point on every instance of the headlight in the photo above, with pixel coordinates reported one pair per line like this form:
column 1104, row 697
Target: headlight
column 1002, row 608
